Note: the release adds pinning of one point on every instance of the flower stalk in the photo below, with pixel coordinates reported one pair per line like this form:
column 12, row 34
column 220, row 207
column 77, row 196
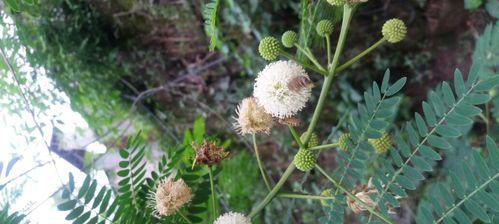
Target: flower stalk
column 305, row 196
column 353, row 197
column 327, row 146
column 359, row 56
column 260, row 166
column 213, row 196
column 347, row 16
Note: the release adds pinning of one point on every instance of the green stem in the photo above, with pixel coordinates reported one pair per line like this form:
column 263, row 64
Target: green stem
column 213, row 196
column 347, row 16
column 310, row 56
column 304, row 196
column 359, row 56
column 327, row 146
column 274, row 190
column 185, row 217
column 353, row 197
column 296, row 137
column 304, row 64
column 262, row 171
column 328, row 46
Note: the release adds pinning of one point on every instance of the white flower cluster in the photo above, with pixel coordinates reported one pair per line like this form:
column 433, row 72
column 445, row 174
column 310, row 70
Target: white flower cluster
column 281, row 90
column 232, row 218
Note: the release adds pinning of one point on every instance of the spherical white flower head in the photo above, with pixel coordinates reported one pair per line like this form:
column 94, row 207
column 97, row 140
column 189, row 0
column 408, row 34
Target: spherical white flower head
column 232, row 218
column 282, row 88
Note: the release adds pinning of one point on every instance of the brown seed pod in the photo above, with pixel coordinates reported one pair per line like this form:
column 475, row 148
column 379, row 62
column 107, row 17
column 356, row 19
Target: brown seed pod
column 298, row 83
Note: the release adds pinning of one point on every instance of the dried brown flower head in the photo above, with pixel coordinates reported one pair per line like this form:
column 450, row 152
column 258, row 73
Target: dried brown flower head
column 365, row 197
column 170, row 196
column 293, row 121
column 364, row 193
column 252, row 118
column 208, row 153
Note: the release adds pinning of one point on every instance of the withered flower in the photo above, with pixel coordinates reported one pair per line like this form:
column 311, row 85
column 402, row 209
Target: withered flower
column 208, row 153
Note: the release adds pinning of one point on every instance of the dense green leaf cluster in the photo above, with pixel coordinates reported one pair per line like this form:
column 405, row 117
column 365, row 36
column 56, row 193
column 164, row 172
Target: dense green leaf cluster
column 132, row 203
column 370, row 122
column 471, row 192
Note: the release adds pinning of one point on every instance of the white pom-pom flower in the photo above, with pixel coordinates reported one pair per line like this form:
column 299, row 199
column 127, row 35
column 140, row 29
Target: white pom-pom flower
column 232, row 218
column 282, row 88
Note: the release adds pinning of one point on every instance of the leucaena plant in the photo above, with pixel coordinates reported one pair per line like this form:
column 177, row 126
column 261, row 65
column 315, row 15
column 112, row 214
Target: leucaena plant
column 378, row 163
column 283, row 89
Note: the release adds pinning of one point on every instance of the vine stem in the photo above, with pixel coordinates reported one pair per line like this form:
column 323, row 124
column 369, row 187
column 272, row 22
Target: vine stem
column 353, row 197
column 185, row 217
column 260, row 166
column 328, row 146
column 213, row 196
column 359, row 56
column 347, row 16
column 304, row 196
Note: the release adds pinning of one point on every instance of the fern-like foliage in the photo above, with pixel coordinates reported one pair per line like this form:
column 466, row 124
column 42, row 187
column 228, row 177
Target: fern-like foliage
column 13, row 218
column 210, row 12
column 369, row 121
column 88, row 205
column 132, row 171
column 196, row 177
column 472, row 192
column 446, row 111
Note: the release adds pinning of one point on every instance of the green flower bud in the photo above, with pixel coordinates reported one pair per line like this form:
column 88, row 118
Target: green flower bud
column 381, row 145
column 337, row 2
column 326, row 193
column 394, row 30
column 343, row 141
column 493, row 93
column 289, row 38
column 324, row 28
column 304, row 160
column 314, row 140
column 269, row 48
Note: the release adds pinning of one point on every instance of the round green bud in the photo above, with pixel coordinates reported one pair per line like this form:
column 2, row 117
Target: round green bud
column 394, row 30
column 381, row 145
column 289, row 38
column 343, row 141
column 493, row 93
column 314, row 140
column 269, row 48
column 326, row 193
column 304, row 160
column 324, row 28
column 337, row 2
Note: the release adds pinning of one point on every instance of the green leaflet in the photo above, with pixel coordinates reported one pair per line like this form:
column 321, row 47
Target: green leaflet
column 468, row 194
column 445, row 111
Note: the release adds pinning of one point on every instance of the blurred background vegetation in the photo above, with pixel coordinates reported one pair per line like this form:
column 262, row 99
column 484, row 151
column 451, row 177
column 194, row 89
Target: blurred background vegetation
column 130, row 65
